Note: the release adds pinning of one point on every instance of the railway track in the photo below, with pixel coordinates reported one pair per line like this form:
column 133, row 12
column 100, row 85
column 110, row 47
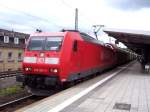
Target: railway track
column 18, row 103
column 15, row 101
column 9, row 74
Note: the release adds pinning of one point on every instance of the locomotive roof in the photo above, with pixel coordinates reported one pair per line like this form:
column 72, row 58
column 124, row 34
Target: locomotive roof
column 88, row 38
column 48, row 34
column 85, row 37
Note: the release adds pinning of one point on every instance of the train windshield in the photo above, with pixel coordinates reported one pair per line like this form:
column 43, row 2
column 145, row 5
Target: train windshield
column 53, row 43
column 36, row 43
column 45, row 43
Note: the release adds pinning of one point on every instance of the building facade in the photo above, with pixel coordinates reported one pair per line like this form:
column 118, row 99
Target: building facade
column 12, row 46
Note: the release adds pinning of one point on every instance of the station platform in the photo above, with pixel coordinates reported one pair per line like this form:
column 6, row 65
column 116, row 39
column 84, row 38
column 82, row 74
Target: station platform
column 124, row 89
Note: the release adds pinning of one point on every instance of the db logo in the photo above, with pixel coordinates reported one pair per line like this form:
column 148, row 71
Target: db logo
column 40, row 60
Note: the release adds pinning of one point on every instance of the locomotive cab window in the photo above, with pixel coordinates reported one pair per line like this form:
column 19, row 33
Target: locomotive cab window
column 36, row 43
column 75, row 46
column 53, row 43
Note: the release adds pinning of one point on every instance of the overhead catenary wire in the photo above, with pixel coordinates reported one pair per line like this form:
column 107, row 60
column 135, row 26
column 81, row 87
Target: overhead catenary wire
column 81, row 16
column 32, row 16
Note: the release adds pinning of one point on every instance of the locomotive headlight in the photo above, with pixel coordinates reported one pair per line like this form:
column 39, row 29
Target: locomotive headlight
column 28, row 69
column 53, row 70
column 41, row 54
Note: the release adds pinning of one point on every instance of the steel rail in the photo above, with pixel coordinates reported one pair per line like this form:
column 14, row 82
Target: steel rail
column 15, row 101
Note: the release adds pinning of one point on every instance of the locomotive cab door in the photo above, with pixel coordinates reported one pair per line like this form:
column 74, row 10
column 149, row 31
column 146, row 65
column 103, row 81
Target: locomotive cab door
column 76, row 57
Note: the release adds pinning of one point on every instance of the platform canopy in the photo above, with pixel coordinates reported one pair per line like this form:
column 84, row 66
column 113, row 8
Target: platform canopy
column 133, row 39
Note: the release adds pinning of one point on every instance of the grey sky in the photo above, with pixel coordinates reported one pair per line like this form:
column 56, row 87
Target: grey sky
column 129, row 4
column 54, row 15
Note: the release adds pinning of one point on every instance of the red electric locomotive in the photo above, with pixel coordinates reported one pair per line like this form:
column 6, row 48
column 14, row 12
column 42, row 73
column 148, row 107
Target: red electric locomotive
column 51, row 59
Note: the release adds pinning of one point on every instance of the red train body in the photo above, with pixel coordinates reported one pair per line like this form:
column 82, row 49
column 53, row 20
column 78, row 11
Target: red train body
column 55, row 58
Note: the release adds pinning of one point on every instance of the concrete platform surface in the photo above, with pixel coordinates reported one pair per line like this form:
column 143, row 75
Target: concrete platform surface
column 128, row 91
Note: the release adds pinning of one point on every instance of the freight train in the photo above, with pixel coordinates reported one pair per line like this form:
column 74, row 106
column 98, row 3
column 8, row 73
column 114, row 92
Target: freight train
column 54, row 59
